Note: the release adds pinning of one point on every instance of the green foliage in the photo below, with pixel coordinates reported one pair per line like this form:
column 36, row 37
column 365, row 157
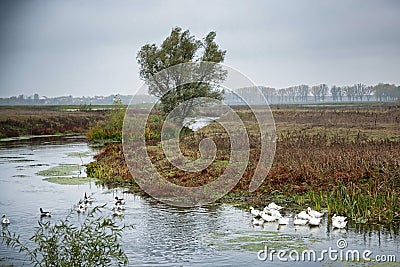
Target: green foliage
column 96, row 242
column 181, row 47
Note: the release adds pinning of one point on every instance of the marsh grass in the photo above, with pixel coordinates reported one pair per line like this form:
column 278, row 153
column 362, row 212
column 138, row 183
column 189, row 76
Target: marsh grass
column 344, row 159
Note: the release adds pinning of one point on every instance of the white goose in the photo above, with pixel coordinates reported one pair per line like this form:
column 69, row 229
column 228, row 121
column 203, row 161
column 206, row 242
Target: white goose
column 338, row 218
column 5, row 220
column 267, row 217
column 313, row 221
column 303, row 215
column 298, row 221
column 339, row 224
column 44, row 213
column 274, row 206
column 314, row 213
column 255, row 212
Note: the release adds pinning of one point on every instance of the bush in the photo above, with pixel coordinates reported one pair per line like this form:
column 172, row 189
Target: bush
column 96, row 242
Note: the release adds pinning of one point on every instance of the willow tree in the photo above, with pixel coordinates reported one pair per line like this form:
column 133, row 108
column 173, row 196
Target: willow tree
column 181, row 47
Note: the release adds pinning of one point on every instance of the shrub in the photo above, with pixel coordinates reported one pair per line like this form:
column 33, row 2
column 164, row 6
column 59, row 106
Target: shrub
column 96, row 242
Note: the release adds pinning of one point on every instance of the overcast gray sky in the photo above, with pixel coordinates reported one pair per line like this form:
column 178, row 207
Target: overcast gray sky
column 89, row 47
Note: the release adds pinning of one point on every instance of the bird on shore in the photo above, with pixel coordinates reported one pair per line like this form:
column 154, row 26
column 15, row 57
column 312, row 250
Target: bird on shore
column 5, row 220
column 44, row 213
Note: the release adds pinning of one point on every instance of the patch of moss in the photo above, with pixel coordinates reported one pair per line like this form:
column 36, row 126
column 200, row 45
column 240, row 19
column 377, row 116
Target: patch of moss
column 69, row 180
column 61, row 170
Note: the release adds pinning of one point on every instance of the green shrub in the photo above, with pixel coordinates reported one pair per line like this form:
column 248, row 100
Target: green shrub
column 96, row 242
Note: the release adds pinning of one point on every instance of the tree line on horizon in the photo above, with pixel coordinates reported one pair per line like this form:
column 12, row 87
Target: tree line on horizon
column 383, row 92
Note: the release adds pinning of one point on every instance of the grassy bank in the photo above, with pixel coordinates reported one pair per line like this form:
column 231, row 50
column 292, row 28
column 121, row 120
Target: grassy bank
column 46, row 120
column 345, row 159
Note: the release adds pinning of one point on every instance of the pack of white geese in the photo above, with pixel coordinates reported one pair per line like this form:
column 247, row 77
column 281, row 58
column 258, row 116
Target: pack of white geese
column 271, row 213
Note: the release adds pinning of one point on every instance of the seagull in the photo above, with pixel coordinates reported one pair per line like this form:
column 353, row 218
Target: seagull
column 5, row 220
column 44, row 213
column 89, row 199
column 119, row 200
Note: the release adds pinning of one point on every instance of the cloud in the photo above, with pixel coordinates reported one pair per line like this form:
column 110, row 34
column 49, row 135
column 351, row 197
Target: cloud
column 89, row 47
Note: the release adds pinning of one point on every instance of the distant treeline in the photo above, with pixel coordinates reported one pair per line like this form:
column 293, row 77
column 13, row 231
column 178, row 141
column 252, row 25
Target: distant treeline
column 320, row 93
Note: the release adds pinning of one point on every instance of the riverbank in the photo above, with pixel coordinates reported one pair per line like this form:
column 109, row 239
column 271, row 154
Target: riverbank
column 18, row 121
column 342, row 159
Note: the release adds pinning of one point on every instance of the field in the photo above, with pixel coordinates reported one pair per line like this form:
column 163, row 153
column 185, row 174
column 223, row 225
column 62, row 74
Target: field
column 345, row 159
column 18, row 121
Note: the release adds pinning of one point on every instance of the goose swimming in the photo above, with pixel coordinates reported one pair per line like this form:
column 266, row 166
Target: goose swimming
column 303, row 215
column 267, row 217
column 314, row 213
column 255, row 212
column 298, row 221
column 274, row 206
column 314, row 221
column 338, row 218
column 339, row 224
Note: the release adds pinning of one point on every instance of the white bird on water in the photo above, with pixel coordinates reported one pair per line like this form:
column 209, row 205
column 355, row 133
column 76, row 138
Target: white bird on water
column 314, row 213
column 255, row 212
column 339, row 224
column 314, row 221
column 338, row 218
column 273, row 206
column 298, row 221
column 267, row 217
column 303, row 215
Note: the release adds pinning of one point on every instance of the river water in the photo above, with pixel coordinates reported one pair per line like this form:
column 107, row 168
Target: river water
column 215, row 235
